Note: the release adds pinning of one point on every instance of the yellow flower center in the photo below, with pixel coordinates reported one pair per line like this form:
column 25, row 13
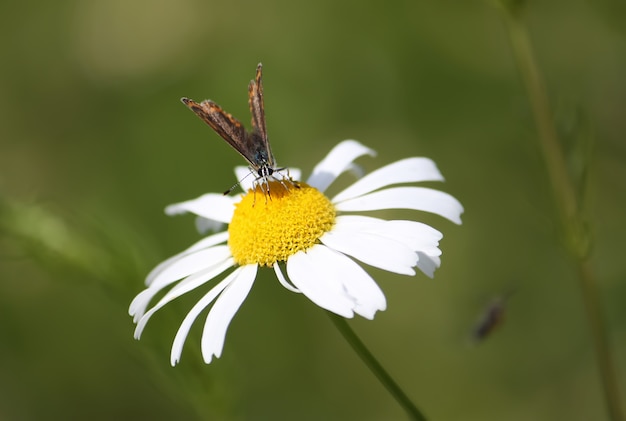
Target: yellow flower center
column 269, row 229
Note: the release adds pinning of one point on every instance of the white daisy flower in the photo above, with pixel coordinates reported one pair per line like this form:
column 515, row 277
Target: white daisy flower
column 317, row 238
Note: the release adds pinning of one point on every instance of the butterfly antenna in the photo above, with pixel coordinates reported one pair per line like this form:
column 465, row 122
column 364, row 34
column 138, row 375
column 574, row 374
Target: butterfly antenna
column 229, row 191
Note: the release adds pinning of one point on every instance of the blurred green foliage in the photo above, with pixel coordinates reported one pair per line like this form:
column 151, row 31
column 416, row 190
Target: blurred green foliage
column 94, row 143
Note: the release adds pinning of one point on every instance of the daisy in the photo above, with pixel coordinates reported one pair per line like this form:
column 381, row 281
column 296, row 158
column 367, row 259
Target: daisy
column 316, row 239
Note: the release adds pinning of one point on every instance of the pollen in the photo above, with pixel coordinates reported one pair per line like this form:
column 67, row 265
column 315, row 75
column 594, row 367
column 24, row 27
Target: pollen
column 268, row 228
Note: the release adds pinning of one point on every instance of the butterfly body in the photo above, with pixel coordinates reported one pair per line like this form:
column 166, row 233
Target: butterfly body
column 253, row 145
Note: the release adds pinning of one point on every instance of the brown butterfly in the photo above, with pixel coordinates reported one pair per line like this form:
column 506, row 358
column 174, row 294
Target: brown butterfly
column 254, row 146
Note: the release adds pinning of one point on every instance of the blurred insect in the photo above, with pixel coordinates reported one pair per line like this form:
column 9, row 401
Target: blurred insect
column 491, row 318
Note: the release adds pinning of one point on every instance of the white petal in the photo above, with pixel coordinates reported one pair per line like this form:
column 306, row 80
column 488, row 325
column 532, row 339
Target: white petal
column 212, row 206
column 415, row 235
column 204, row 243
column 204, row 225
column 245, row 177
column 417, row 198
column 410, row 170
column 357, row 283
column 224, row 310
column 374, row 250
column 355, row 170
column 338, row 160
column 370, row 297
column 335, row 282
column 283, row 281
column 310, row 276
column 357, row 222
column 428, row 264
column 184, row 266
column 183, row 330
column 293, row 173
column 190, row 263
column 189, row 283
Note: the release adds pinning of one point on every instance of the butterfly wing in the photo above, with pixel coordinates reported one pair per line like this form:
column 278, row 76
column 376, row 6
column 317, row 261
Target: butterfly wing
column 224, row 124
column 257, row 109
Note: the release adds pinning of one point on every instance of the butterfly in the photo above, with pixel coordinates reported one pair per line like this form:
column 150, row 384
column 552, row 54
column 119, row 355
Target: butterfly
column 253, row 145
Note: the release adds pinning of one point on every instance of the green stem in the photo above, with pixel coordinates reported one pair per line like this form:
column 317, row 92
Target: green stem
column 378, row 370
column 576, row 235
column 601, row 341
column 548, row 138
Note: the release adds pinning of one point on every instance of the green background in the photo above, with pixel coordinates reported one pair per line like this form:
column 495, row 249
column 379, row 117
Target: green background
column 94, row 143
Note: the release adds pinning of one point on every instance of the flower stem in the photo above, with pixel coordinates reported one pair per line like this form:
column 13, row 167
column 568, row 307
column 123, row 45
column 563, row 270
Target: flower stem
column 573, row 224
column 378, row 370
